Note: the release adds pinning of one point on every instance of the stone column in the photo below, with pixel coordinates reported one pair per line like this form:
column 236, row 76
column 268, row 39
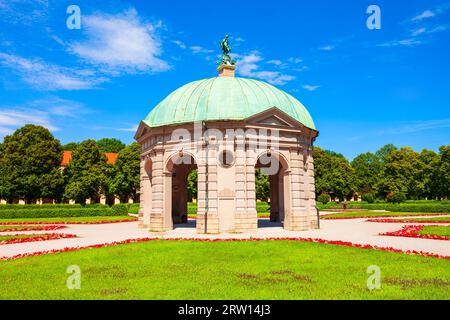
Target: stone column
column 311, row 192
column 299, row 196
column 158, row 218
column 207, row 204
column 246, row 217
column 145, row 204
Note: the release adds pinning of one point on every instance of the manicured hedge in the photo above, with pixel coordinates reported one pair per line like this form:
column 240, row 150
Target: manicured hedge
column 116, row 210
column 49, row 206
column 422, row 206
column 426, row 208
column 133, row 208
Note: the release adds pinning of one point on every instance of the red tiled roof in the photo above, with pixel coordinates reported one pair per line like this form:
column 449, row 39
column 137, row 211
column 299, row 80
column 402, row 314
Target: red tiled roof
column 67, row 156
column 111, row 158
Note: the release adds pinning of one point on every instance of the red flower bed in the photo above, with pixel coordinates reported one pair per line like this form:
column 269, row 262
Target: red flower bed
column 405, row 221
column 42, row 237
column 63, row 223
column 339, row 243
column 413, row 232
column 37, row 228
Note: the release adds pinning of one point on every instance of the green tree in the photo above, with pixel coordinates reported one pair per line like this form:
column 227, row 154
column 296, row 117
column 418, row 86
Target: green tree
column 5, row 186
column 126, row 179
column 368, row 172
column 430, row 173
column 262, row 185
column 192, row 185
column 403, row 173
column 87, row 174
column 444, row 172
column 70, row 146
column 110, row 145
column 31, row 162
column 385, row 151
column 334, row 174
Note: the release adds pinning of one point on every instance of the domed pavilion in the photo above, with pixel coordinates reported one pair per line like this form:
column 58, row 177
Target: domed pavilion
column 226, row 128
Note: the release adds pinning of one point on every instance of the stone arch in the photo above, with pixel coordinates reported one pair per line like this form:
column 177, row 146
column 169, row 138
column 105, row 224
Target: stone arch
column 177, row 167
column 175, row 158
column 280, row 184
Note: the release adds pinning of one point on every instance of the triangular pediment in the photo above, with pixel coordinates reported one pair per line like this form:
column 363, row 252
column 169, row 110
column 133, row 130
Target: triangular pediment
column 274, row 121
column 274, row 117
column 142, row 130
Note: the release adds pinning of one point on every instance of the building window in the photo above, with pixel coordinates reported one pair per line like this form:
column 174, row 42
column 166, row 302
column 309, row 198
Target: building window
column 226, row 158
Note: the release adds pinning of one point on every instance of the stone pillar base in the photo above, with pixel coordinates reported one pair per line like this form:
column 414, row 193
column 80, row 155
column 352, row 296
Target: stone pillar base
column 157, row 223
column 142, row 225
column 297, row 223
column 245, row 222
column 212, row 223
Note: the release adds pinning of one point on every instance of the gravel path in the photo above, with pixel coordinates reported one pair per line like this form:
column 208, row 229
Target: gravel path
column 357, row 231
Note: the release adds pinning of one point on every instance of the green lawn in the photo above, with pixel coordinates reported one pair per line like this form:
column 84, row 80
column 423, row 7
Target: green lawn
column 373, row 214
column 436, row 230
column 22, row 236
column 72, row 219
column 225, row 270
column 20, row 228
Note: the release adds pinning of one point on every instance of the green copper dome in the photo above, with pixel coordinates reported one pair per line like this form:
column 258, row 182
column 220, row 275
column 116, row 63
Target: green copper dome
column 224, row 98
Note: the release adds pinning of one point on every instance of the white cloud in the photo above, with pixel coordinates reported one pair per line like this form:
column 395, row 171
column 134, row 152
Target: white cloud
column 275, row 62
column 180, row 44
column 301, row 69
column 25, row 12
column 310, row 87
column 443, row 27
column 46, row 112
column 327, row 48
column 419, row 31
column 129, row 129
column 120, row 43
column 433, row 12
column 200, row 50
column 404, row 42
column 247, row 65
column 418, row 126
column 295, row 60
column 424, row 15
column 46, row 76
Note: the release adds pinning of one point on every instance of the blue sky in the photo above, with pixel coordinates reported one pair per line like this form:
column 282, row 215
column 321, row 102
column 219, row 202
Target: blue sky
column 364, row 88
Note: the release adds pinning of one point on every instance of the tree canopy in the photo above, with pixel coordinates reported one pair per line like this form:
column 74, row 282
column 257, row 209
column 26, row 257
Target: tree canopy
column 87, row 174
column 30, row 163
column 125, row 182
column 110, row 145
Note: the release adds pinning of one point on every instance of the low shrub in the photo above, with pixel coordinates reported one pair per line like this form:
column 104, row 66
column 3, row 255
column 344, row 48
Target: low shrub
column 396, row 197
column 134, row 208
column 262, row 207
column 49, row 206
column 404, row 207
column 431, row 207
column 323, row 198
column 58, row 212
column 120, row 209
column 368, row 197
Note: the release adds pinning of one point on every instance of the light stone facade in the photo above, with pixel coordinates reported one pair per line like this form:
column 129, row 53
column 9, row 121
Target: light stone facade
column 226, row 188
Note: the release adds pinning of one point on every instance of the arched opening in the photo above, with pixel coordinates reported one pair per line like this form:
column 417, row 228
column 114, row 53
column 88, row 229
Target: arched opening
column 181, row 169
column 272, row 187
